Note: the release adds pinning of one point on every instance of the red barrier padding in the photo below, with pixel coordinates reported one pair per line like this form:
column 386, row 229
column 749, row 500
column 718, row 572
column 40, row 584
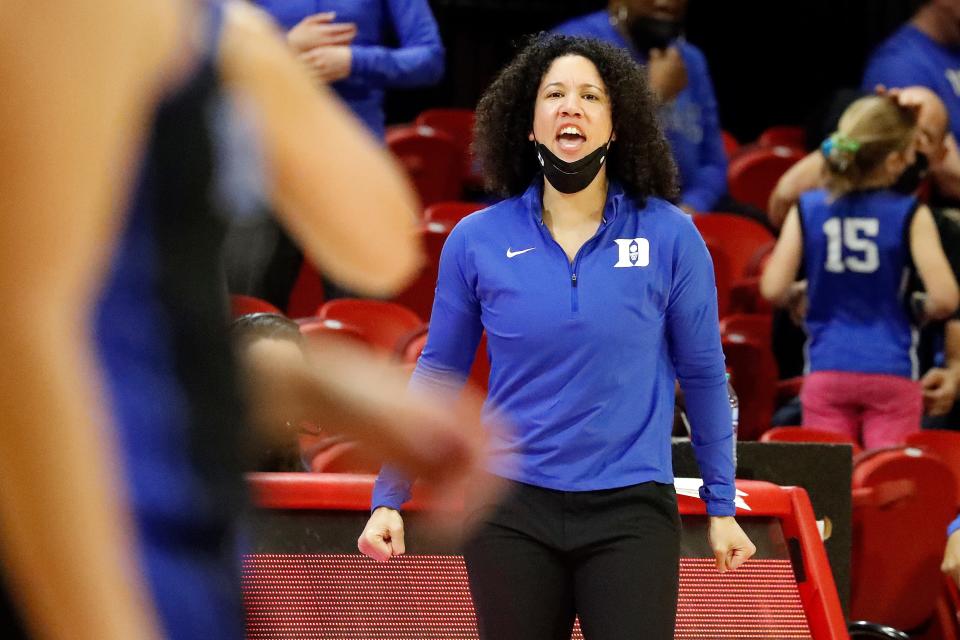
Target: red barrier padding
column 350, row 597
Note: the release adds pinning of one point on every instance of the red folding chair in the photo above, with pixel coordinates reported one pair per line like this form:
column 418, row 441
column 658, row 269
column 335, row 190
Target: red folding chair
column 450, row 213
column 805, row 434
column 783, row 135
column 241, row 305
column 754, row 173
column 903, row 500
column 431, row 159
column 384, row 326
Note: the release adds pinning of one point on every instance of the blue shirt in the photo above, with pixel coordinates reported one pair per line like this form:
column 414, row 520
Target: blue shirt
column 583, row 355
column 690, row 120
column 856, row 252
column 954, row 527
column 910, row 57
column 417, row 61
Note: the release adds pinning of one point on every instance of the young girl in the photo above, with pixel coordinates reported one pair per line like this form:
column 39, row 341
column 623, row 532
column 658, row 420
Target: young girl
column 856, row 241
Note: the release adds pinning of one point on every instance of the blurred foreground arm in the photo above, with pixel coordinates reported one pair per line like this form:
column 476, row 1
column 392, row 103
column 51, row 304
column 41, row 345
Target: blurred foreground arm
column 80, row 82
column 439, row 438
column 340, row 194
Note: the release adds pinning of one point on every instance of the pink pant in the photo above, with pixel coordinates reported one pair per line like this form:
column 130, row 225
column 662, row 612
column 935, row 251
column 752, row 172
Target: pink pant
column 875, row 409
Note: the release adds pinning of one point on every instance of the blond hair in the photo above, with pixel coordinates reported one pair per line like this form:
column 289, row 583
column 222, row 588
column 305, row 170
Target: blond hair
column 869, row 130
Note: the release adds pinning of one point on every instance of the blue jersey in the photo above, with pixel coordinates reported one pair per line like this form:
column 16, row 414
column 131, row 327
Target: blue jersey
column 160, row 325
column 584, row 354
column 954, row 527
column 910, row 57
column 417, row 60
column 690, row 121
column 856, row 253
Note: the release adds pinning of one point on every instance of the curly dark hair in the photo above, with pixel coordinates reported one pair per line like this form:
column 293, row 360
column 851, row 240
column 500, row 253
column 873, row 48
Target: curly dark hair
column 639, row 158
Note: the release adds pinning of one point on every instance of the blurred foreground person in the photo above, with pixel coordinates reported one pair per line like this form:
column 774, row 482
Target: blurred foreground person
column 116, row 188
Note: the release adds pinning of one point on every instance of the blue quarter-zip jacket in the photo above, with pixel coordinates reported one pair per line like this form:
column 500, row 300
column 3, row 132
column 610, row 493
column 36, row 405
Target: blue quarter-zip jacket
column 583, row 354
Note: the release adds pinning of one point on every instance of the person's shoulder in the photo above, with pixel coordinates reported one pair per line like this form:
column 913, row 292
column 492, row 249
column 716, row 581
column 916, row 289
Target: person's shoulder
column 903, row 39
column 902, row 50
column 667, row 216
column 595, row 24
column 692, row 54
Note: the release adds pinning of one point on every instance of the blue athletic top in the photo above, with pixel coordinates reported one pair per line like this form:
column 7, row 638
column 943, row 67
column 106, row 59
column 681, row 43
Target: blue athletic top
column 690, row 121
column 416, row 61
column 954, row 527
column 856, row 253
column 160, row 325
column 584, row 355
column 910, row 57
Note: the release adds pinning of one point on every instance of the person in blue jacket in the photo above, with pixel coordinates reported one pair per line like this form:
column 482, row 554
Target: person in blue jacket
column 651, row 31
column 596, row 294
column 925, row 51
column 342, row 42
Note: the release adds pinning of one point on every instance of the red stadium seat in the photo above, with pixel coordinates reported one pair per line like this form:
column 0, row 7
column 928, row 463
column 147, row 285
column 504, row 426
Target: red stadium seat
column 942, row 444
column 754, row 173
column 903, row 500
column 450, row 213
column 730, row 144
column 315, row 329
column 753, row 374
column 737, row 245
column 803, row 434
column 458, row 124
column 786, row 136
column 756, row 327
column 385, row 326
column 431, row 158
column 418, row 296
column 307, row 293
column 241, row 305
column 743, row 241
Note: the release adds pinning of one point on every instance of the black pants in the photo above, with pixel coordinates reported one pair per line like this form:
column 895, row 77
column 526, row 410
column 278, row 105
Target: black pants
column 543, row 557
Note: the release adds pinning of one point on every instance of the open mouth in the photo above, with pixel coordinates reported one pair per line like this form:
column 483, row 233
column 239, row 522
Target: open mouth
column 570, row 138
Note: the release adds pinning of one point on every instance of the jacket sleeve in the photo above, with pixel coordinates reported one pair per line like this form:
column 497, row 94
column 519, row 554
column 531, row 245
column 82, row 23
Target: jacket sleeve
column 418, row 61
column 694, row 341
column 709, row 183
column 454, row 334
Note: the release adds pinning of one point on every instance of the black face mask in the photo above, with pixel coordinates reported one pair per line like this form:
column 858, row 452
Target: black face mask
column 909, row 181
column 653, row 33
column 570, row 177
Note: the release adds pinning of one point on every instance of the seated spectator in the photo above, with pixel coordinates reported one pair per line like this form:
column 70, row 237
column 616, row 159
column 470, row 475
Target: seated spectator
column 925, row 52
column 678, row 75
column 854, row 241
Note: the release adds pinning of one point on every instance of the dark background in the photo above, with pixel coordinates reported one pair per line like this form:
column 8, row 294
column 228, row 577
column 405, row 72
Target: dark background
column 772, row 61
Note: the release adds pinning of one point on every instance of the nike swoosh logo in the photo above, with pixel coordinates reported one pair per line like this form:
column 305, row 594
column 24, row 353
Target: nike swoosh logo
column 511, row 254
